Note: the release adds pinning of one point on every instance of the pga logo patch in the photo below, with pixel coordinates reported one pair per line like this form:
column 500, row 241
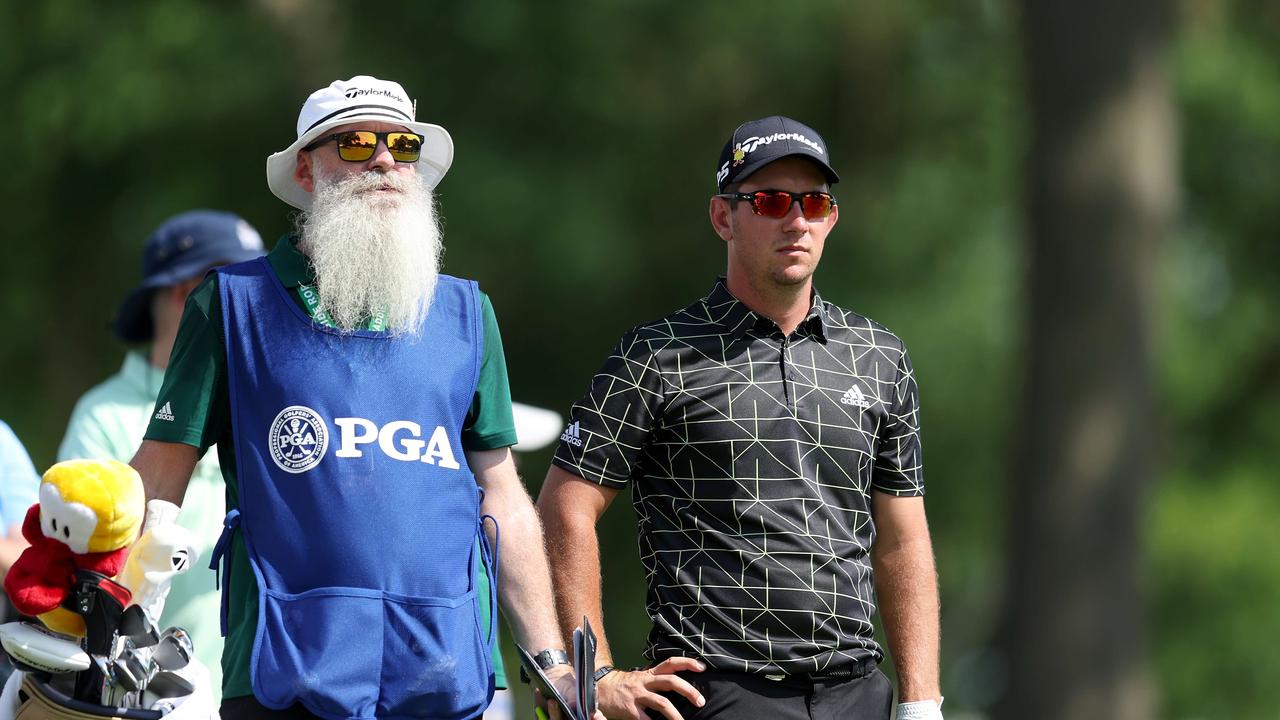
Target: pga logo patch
column 298, row 439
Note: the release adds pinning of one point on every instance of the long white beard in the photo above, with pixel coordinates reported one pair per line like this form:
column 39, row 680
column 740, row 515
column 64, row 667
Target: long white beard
column 373, row 252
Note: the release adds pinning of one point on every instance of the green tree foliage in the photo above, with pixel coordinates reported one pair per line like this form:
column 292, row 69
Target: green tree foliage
column 1216, row 570
column 586, row 137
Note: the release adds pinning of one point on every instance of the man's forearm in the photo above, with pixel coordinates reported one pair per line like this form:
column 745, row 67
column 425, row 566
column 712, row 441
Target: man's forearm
column 907, row 590
column 165, row 469
column 524, row 581
column 576, row 572
column 570, row 509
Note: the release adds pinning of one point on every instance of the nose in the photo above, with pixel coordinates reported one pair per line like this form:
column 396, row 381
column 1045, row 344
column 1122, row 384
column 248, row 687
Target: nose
column 795, row 220
column 381, row 160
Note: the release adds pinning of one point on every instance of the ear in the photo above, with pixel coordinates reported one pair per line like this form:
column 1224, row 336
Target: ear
column 176, row 295
column 302, row 172
column 720, row 211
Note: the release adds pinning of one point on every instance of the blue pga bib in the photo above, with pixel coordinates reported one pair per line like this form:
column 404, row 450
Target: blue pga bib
column 359, row 513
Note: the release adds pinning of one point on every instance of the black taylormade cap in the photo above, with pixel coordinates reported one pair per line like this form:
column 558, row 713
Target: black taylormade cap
column 759, row 142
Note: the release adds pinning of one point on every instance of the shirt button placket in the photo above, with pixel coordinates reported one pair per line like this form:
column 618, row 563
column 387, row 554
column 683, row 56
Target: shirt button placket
column 784, row 363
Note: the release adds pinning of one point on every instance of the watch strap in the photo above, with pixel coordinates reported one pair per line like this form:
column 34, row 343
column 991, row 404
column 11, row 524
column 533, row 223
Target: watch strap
column 550, row 657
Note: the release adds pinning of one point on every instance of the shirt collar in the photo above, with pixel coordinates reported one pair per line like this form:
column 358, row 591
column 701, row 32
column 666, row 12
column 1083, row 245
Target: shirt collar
column 728, row 311
column 733, row 315
column 290, row 265
column 817, row 320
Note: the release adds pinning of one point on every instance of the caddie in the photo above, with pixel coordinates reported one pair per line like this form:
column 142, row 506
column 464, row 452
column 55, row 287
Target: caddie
column 360, row 406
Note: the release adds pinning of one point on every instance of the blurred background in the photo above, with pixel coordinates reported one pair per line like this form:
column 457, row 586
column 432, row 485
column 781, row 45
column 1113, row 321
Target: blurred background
column 1069, row 211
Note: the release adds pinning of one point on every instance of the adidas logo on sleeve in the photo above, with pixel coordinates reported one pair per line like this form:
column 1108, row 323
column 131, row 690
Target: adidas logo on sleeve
column 854, row 396
column 165, row 413
column 571, row 435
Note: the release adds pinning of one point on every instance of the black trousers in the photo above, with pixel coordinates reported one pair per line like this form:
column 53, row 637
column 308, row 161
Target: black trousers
column 743, row 695
column 247, row 707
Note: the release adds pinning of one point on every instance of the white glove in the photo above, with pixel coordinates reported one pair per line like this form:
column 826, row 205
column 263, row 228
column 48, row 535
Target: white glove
column 160, row 512
column 920, row 710
column 164, row 551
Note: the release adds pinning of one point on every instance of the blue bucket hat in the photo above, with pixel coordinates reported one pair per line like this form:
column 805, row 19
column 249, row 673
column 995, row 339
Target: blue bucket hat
column 184, row 247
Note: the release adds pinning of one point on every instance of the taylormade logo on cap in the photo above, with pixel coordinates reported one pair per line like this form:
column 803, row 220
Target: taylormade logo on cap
column 354, row 93
column 757, row 143
column 748, row 146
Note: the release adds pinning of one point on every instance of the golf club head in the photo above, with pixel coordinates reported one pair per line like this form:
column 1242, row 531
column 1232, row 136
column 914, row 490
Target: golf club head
column 152, row 701
column 134, row 621
column 174, row 650
column 135, row 625
column 37, row 649
column 169, row 684
column 128, row 676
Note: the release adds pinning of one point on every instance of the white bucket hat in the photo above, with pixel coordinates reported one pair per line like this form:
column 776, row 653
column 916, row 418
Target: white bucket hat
column 347, row 101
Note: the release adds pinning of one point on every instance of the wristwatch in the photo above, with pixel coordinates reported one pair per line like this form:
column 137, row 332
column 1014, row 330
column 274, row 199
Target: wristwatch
column 550, row 657
column 600, row 673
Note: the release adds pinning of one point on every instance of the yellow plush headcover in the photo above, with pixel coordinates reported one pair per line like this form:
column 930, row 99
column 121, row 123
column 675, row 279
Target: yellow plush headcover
column 94, row 504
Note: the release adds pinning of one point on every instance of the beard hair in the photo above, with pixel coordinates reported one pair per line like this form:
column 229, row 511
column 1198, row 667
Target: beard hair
column 372, row 251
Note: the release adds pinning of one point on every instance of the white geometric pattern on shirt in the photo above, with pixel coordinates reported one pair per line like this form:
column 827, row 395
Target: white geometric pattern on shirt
column 751, row 489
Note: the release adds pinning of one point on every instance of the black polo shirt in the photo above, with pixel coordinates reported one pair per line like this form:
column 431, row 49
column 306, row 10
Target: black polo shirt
column 752, row 456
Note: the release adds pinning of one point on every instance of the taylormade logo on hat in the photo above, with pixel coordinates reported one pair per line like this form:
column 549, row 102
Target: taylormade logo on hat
column 360, row 98
column 357, row 92
column 750, row 144
column 759, row 142
column 347, row 102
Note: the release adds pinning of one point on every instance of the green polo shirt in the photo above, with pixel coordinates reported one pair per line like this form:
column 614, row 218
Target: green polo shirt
column 195, row 391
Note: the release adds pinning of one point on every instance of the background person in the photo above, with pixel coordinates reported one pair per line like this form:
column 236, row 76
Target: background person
column 19, row 486
column 109, row 420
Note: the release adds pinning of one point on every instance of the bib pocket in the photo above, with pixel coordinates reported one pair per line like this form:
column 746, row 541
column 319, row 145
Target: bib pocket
column 319, row 647
column 436, row 662
column 353, row 652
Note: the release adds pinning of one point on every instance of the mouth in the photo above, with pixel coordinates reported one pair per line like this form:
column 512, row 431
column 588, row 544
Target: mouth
column 384, row 188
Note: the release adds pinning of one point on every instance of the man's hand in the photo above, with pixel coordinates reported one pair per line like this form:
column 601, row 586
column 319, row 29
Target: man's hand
column 567, row 685
column 919, row 710
column 626, row 695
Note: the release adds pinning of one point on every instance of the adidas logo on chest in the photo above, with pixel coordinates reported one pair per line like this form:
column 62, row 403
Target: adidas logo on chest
column 854, row 396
